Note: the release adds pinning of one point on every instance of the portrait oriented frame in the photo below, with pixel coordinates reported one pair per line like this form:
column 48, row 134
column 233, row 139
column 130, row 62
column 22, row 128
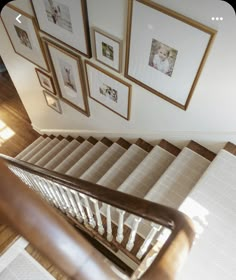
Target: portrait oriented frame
column 24, row 36
column 68, row 75
column 49, row 96
column 108, row 90
column 72, row 30
column 48, row 84
column 107, row 49
column 158, row 59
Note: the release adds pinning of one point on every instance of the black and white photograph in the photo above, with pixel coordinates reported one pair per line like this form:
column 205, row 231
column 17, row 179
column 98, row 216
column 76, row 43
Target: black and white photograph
column 23, row 37
column 67, row 74
column 107, row 51
column 109, row 92
column 52, row 101
column 59, row 14
column 45, row 81
column 162, row 57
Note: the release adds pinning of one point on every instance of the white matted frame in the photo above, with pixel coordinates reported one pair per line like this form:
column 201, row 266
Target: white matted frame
column 68, row 74
column 67, row 21
column 45, row 81
column 108, row 90
column 52, row 101
column 24, row 36
column 108, row 49
column 165, row 51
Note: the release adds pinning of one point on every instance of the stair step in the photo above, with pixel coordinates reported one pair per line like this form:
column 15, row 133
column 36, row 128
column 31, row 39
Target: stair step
column 116, row 175
column 144, row 145
column 103, row 164
column 29, row 148
column 64, row 153
column 43, row 151
column 52, row 153
column 231, row 148
column 199, row 149
column 87, row 160
column 76, row 155
column 36, row 149
column 175, row 184
column 169, row 147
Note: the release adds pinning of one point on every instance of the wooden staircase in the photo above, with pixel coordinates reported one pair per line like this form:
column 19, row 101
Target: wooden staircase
column 161, row 174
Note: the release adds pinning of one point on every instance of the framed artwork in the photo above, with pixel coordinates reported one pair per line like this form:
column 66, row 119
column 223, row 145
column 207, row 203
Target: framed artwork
column 52, row 101
column 108, row 49
column 165, row 51
column 45, row 81
column 66, row 21
column 68, row 73
column 24, row 36
column 109, row 90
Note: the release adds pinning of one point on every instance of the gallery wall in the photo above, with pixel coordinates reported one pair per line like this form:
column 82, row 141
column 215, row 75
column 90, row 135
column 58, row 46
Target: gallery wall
column 210, row 117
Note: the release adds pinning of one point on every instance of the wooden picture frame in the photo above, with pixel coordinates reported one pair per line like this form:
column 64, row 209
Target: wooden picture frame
column 107, row 49
column 158, row 56
column 108, row 90
column 68, row 74
column 24, row 35
column 45, row 81
column 67, row 22
column 52, row 101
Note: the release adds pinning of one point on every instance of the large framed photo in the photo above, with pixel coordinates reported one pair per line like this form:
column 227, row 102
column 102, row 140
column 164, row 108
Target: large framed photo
column 24, row 35
column 109, row 90
column 45, row 81
column 67, row 21
column 68, row 73
column 52, row 101
column 165, row 51
column 108, row 49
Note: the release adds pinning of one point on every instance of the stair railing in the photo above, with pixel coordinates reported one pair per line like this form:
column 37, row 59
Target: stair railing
column 82, row 201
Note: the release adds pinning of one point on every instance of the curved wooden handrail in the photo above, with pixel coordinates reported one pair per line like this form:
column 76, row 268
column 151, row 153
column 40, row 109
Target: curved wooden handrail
column 172, row 254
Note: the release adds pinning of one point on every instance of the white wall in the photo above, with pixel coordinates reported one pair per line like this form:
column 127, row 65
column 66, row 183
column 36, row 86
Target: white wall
column 210, row 117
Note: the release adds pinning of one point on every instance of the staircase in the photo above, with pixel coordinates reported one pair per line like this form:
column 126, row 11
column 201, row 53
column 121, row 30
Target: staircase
column 161, row 174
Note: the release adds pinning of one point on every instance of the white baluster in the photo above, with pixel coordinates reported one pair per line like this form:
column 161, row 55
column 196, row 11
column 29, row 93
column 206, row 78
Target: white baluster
column 130, row 243
column 81, row 209
column 63, row 194
column 98, row 216
column 75, row 208
column 120, row 230
column 148, row 240
column 92, row 222
column 55, row 199
column 109, row 226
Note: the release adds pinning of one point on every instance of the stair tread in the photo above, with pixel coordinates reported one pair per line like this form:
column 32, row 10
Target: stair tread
column 144, row 145
column 123, row 143
column 169, row 147
column 106, row 141
column 92, row 140
column 196, row 147
column 30, row 147
column 230, row 147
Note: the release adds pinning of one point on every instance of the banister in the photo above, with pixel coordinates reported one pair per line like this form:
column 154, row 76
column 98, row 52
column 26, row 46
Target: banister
column 171, row 254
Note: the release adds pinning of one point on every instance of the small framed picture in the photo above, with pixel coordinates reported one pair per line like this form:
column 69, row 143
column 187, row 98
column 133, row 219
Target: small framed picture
column 68, row 73
column 52, row 101
column 109, row 90
column 23, row 35
column 108, row 49
column 45, row 81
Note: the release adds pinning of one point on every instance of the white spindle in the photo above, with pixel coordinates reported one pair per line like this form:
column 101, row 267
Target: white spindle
column 109, row 226
column 98, row 216
column 130, row 243
column 92, row 222
column 75, row 208
column 120, row 230
column 81, row 209
column 67, row 203
column 55, row 199
column 148, row 240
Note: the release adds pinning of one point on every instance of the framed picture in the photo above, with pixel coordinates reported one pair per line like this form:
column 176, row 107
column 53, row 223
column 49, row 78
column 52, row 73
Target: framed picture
column 24, row 36
column 66, row 21
column 108, row 49
column 108, row 90
column 45, row 81
column 68, row 73
column 52, row 101
column 165, row 51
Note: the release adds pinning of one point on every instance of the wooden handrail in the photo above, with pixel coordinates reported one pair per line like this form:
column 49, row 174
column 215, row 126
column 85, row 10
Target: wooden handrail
column 174, row 251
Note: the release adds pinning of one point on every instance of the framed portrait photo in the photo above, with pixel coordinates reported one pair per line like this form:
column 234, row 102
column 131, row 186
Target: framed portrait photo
column 108, row 90
column 45, row 81
column 108, row 49
column 24, row 35
column 68, row 73
column 67, row 21
column 52, row 101
column 165, row 51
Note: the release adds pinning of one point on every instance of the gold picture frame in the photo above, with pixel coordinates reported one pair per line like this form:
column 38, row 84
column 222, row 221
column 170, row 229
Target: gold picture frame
column 159, row 58
column 52, row 101
column 68, row 75
column 45, row 81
